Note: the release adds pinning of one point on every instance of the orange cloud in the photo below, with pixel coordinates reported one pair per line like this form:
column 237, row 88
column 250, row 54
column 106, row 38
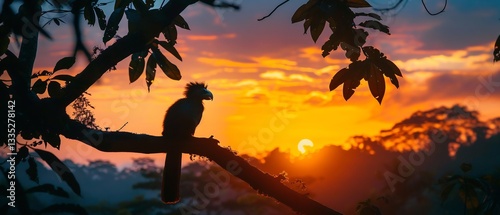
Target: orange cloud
column 257, row 62
column 210, row 37
column 472, row 58
column 202, row 37
column 300, row 77
column 311, row 53
column 273, row 75
column 276, row 74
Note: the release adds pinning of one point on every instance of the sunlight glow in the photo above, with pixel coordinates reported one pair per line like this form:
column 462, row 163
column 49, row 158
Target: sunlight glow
column 302, row 143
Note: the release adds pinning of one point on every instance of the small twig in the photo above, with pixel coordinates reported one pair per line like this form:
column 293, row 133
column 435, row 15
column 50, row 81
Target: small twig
column 268, row 15
column 162, row 2
column 383, row 10
column 55, row 11
column 433, row 14
column 79, row 46
column 122, row 126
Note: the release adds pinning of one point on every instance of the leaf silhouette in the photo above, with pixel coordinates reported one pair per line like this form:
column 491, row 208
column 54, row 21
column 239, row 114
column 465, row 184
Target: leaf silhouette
column 388, row 68
column 21, row 154
column 89, row 15
column 496, row 51
column 307, row 24
column 60, row 169
column 170, row 33
column 392, row 78
column 317, row 27
column 349, row 86
column 32, row 170
column 170, row 48
column 374, row 24
column 101, row 18
column 469, row 196
column 351, row 51
column 393, row 67
column 136, row 66
column 39, row 86
column 360, row 36
column 376, row 83
column 53, row 139
column 54, row 89
column 357, row 72
column 166, row 66
column 387, row 71
column 327, row 48
column 332, row 43
column 112, row 26
column 64, row 63
column 150, row 71
column 49, row 188
column 179, row 21
column 339, row 78
column 64, row 209
column 302, row 12
column 446, row 191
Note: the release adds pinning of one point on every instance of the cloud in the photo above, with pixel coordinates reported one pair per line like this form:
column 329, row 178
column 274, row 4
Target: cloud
column 463, row 24
column 280, row 75
column 311, row 53
column 273, row 75
column 465, row 85
column 257, row 62
column 468, row 88
column 471, row 58
column 202, row 37
column 300, row 77
column 229, row 84
column 210, row 37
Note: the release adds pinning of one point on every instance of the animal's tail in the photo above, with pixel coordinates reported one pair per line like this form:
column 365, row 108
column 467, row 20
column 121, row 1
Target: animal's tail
column 171, row 178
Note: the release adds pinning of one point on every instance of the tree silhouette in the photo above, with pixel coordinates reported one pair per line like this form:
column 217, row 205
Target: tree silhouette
column 472, row 191
column 27, row 199
column 41, row 121
column 367, row 208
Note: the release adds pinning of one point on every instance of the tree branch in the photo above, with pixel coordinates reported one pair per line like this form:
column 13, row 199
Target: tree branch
column 141, row 143
column 29, row 46
column 276, row 8
column 118, row 51
column 24, row 97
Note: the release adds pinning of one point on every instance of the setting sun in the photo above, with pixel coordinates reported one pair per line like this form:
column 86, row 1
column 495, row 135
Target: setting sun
column 302, row 143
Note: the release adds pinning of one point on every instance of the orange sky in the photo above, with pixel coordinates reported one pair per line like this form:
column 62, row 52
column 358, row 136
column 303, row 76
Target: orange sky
column 270, row 83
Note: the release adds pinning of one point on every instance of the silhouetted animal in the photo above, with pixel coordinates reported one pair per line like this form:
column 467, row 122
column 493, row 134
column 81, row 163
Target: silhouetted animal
column 179, row 124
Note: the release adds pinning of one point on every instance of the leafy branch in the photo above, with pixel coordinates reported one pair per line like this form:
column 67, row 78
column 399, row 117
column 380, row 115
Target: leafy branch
column 351, row 38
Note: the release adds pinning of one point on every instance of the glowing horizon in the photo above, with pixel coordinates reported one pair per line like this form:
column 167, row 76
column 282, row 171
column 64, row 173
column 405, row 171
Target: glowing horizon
column 277, row 77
